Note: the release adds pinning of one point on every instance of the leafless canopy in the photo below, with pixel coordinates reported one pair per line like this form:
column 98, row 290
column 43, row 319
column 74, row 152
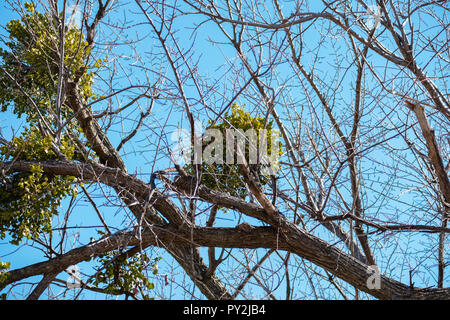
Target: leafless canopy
column 358, row 91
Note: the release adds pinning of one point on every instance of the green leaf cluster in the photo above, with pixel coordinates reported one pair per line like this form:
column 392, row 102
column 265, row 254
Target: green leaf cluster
column 28, row 201
column 124, row 275
column 227, row 177
column 4, row 266
column 31, row 65
column 28, row 83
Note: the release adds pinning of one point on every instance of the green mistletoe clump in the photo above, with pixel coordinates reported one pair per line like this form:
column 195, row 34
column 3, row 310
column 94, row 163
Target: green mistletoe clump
column 29, row 78
column 119, row 274
column 31, row 65
column 28, row 201
column 228, row 177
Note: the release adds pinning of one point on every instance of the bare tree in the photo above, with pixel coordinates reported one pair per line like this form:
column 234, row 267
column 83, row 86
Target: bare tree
column 358, row 91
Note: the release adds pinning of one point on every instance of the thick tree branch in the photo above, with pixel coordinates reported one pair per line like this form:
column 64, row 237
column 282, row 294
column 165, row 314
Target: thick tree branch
column 298, row 242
